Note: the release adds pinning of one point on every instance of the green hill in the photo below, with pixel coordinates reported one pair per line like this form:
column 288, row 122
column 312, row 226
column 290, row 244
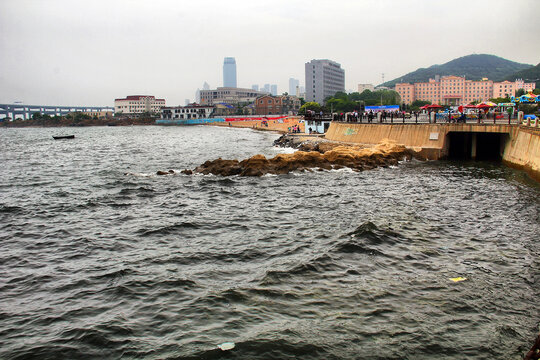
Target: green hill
column 473, row 67
column 529, row 75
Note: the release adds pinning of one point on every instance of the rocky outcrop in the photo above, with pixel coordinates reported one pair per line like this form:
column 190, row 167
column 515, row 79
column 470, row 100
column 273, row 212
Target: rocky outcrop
column 335, row 157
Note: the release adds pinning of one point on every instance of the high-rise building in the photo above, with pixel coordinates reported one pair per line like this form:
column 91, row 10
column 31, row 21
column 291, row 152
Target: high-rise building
column 206, row 86
column 324, row 78
column 273, row 90
column 255, row 87
column 266, row 88
column 229, row 72
column 293, row 85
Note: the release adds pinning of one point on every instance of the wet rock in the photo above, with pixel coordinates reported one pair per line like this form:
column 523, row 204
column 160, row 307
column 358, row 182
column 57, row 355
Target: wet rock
column 165, row 172
column 358, row 158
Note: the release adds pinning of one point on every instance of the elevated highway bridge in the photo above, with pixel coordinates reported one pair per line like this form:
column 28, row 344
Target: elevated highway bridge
column 25, row 112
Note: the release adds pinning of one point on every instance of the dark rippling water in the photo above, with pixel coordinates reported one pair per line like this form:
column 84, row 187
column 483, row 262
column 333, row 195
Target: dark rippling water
column 96, row 264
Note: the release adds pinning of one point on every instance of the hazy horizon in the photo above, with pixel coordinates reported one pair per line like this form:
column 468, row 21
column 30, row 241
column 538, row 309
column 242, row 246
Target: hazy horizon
column 62, row 52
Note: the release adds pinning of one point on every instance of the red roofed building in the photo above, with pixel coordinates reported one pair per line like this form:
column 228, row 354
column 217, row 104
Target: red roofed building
column 272, row 105
column 138, row 104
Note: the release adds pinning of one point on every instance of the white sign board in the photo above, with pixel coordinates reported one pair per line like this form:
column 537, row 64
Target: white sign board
column 434, row 136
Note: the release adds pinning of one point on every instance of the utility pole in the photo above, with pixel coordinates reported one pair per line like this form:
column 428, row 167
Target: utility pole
column 382, row 89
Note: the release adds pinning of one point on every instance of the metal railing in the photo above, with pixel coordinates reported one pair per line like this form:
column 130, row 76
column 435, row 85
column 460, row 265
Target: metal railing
column 421, row 118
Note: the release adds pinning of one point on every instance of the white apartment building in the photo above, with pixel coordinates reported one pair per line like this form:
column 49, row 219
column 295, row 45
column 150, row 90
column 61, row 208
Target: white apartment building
column 191, row 111
column 138, row 104
column 324, row 78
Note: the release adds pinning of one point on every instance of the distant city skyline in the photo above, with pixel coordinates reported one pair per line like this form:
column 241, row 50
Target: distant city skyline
column 62, row 52
column 293, row 84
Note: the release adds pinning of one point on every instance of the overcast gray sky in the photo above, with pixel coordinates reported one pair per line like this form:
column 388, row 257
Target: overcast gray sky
column 74, row 52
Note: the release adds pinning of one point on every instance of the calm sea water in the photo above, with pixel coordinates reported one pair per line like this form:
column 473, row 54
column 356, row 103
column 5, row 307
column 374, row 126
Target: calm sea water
column 96, row 264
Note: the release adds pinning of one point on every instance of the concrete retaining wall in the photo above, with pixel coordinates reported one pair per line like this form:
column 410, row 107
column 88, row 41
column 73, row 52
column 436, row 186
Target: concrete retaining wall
column 430, row 140
column 523, row 152
column 427, row 138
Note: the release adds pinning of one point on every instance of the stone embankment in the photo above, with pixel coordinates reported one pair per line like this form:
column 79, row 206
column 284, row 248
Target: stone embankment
column 320, row 156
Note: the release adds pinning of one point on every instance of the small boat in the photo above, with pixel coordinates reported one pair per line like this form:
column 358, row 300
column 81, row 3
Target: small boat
column 64, row 137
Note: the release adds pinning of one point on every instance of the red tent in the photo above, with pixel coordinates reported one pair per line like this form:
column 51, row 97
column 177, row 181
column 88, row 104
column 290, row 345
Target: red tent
column 482, row 106
column 424, row 107
column 434, row 106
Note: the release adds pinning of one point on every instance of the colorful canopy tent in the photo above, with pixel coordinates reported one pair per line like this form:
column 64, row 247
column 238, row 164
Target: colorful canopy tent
column 528, row 98
column 506, row 104
column 484, row 106
column 434, row 106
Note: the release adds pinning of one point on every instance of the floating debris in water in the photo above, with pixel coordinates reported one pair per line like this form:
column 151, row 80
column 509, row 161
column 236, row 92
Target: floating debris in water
column 458, row 279
column 226, row 346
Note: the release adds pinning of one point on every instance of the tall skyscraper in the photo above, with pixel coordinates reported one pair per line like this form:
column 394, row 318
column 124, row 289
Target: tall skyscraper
column 206, row 86
column 266, row 88
column 255, row 87
column 293, row 84
column 273, row 90
column 324, row 78
column 229, row 72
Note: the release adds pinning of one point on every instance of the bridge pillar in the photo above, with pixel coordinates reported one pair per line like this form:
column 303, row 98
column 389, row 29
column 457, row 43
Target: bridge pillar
column 473, row 146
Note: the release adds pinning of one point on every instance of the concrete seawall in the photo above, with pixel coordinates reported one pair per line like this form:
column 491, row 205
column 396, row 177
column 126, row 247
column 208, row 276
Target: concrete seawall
column 523, row 152
column 520, row 146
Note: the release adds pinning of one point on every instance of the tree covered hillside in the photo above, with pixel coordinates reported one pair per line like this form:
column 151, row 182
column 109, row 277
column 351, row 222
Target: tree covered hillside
column 473, row 67
column 529, row 75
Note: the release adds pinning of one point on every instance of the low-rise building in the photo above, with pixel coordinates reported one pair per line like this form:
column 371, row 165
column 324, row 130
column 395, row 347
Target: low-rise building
column 364, row 87
column 138, row 104
column 191, row 111
column 229, row 95
column 272, row 105
column 456, row 90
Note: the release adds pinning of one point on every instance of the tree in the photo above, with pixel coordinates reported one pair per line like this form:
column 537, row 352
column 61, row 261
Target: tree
column 355, row 96
column 36, row 116
column 536, row 91
column 520, row 92
column 420, row 103
column 310, row 106
column 500, row 100
column 528, row 108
